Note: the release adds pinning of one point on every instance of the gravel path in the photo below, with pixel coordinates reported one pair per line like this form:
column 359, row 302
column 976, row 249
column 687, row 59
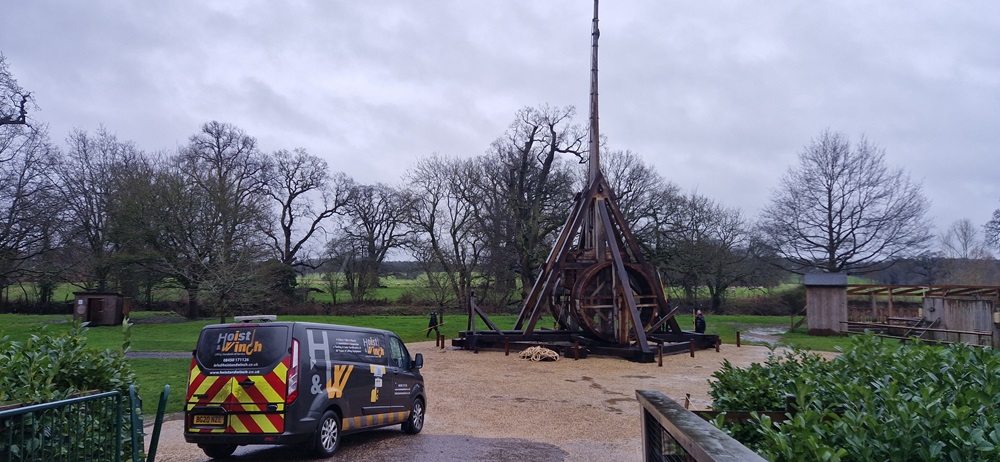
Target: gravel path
column 488, row 406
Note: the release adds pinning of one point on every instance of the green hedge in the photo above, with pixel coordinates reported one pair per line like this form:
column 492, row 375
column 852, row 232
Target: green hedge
column 878, row 400
column 47, row 368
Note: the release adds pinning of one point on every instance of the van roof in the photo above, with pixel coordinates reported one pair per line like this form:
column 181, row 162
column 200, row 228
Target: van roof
column 306, row 324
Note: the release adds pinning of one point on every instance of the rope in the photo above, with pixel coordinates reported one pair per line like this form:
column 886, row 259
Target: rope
column 537, row 353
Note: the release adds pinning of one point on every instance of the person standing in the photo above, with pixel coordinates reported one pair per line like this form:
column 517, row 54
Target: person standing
column 433, row 325
column 699, row 323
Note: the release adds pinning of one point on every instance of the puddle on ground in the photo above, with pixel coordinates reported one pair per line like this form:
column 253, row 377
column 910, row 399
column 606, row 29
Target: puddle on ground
column 762, row 334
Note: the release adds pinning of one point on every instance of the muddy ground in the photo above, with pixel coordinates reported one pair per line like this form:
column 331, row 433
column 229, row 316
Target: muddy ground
column 488, row 406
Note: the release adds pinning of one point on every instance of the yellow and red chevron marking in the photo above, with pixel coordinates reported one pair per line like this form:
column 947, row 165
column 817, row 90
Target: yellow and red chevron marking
column 248, row 423
column 373, row 420
column 247, row 406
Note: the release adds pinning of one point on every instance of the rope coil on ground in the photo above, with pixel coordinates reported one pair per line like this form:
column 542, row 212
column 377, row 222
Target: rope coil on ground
column 537, row 353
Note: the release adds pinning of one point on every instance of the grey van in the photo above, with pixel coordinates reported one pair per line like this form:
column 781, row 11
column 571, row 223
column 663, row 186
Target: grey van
column 298, row 382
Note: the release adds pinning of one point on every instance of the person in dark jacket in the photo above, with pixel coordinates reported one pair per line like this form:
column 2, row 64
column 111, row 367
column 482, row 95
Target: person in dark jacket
column 433, row 325
column 699, row 323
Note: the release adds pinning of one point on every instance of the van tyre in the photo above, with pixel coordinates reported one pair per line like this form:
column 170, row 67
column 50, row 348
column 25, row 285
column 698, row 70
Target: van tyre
column 218, row 451
column 327, row 438
column 415, row 423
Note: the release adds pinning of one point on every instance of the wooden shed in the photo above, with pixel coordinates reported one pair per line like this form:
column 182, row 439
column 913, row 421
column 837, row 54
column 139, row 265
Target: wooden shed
column 962, row 314
column 826, row 303
column 100, row 308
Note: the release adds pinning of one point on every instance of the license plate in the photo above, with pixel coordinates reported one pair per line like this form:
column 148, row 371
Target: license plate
column 214, row 419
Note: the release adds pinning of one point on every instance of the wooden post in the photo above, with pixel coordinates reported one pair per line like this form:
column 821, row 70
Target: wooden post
column 874, row 308
column 576, row 350
column 687, row 400
column 691, row 345
column 718, row 341
column 660, row 354
column 737, row 339
column 506, row 347
column 892, row 311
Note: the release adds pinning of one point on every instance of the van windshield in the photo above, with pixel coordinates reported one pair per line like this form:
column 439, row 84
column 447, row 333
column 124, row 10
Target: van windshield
column 242, row 350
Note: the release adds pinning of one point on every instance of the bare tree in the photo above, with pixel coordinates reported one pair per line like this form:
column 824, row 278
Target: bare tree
column 29, row 213
column 223, row 168
column 842, row 209
column 992, row 230
column 90, row 178
column 376, row 225
column 649, row 203
column 526, row 187
column 962, row 240
column 448, row 243
column 13, row 99
column 198, row 215
column 307, row 195
column 967, row 258
column 136, row 226
column 29, row 210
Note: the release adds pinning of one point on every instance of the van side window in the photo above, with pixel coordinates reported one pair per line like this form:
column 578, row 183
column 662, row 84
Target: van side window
column 341, row 345
column 398, row 354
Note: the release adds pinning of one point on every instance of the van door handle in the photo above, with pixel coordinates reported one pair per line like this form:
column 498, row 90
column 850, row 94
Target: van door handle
column 247, row 383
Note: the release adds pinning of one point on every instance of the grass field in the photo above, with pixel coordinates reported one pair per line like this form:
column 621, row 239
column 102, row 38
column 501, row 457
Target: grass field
column 390, row 290
column 168, row 332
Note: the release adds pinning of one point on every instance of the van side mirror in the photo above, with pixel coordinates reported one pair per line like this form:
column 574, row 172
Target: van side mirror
column 418, row 361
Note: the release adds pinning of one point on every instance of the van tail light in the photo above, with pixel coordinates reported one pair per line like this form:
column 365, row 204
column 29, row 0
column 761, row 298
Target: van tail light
column 293, row 375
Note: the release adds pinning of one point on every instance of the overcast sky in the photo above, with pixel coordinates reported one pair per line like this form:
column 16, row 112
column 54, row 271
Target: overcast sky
column 720, row 96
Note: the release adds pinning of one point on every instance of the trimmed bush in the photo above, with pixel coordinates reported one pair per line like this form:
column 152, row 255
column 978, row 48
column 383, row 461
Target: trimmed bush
column 879, row 400
column 48, row 368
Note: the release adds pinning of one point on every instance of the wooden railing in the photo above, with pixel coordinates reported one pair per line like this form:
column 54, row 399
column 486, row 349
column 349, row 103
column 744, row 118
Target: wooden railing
column 672, row 433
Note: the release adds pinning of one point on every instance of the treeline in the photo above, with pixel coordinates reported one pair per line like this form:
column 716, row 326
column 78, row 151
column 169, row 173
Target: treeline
column 232, row 224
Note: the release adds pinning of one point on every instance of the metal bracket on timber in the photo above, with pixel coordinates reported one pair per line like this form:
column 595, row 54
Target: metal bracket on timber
column 604, row 296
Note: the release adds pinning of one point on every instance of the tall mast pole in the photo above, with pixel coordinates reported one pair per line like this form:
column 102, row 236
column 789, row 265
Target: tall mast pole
column 593, row 234
column 595, row 133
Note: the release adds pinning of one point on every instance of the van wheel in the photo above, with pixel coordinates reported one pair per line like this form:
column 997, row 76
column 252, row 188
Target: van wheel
column 327, row 438
column 218, row 451
column 415, row 423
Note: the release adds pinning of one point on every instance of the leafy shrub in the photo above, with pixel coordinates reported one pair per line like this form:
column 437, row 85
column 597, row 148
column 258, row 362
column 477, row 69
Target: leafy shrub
column 49, row 368
column 879, row 400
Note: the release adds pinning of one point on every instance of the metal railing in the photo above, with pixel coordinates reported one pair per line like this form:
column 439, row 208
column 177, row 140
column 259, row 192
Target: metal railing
column 85, row 428
column 672, row 433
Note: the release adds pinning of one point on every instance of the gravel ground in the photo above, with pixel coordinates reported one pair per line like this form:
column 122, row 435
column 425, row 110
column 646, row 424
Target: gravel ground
column 488, row 406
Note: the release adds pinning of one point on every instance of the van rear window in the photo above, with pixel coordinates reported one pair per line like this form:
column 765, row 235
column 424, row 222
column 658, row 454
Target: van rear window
column 242, row 350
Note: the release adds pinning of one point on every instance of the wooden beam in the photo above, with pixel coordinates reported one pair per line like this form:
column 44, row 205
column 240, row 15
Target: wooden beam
column 625, row 286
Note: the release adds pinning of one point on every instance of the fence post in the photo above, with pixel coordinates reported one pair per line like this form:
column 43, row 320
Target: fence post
column 154, row 439
column 118, row 423
column 135, row 405
column 789, row 403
